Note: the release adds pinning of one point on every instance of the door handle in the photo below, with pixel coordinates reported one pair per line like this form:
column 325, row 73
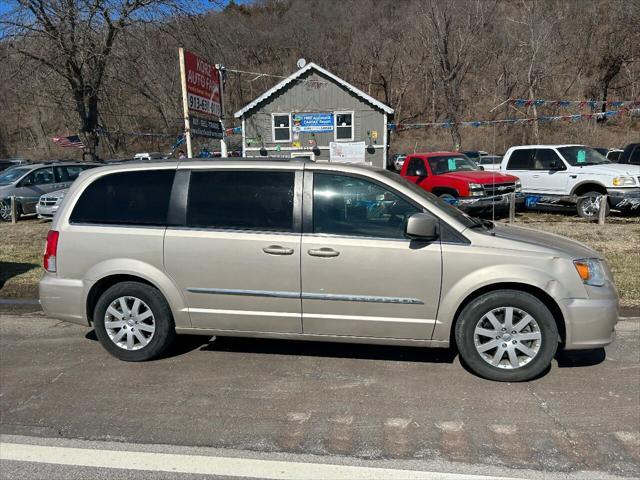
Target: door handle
column 536, row 176
column 323, row 252
column 277, row 250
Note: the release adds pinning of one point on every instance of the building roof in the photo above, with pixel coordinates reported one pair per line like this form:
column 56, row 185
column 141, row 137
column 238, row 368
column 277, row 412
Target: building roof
column 312, row 66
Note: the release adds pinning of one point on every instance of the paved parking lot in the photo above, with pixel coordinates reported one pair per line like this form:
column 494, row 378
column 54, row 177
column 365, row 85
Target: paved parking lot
column 352, row 401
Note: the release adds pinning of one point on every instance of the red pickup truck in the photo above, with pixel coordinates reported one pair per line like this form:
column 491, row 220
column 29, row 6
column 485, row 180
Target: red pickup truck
column 458, row 180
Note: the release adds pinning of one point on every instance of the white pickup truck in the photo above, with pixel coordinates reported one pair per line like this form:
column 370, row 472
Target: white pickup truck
column 572, row 174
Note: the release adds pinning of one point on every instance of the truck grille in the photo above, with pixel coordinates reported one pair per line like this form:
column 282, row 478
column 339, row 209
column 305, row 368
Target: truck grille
column 48, row 201
column 499, row 188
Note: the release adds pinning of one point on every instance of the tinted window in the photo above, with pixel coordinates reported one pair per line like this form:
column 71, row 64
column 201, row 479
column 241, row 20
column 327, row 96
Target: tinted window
column 127, row 198
column 70, row 172
column 635, row 156
column 416, row 168
column 451, row 163
column 615, row 156
column 520, row 160
column 41, row 176
column 245, row 200
column 355, row 207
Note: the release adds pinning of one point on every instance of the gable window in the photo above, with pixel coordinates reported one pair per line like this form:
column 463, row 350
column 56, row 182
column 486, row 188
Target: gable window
column 281, row 127
column 344, row 125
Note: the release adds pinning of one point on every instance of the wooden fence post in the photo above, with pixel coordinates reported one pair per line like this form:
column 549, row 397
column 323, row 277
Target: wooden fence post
column 13, row 209
column 512, row 207
column 602, row 211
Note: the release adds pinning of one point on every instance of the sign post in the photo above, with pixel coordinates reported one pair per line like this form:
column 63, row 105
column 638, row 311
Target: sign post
column 201, row 99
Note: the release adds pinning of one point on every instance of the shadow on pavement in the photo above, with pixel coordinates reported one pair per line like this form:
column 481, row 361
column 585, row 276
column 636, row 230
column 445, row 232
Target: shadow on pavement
column 329, row 349
column 183, row 344
column 580, row 358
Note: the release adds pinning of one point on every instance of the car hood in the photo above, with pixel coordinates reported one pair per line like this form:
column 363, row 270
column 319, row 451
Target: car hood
column 613, row 169
column 480, row 176
column 56, row 194
column 540, row 241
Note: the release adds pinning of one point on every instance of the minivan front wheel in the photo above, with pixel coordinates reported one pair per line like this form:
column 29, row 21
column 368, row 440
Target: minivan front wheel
column 507, row 335
column 133, row 322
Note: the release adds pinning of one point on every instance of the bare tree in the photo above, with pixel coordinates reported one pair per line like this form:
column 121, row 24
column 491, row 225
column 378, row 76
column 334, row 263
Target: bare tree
column 75, row 40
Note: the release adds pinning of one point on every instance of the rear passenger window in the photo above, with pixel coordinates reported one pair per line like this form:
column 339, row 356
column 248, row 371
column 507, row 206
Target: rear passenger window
column 127, row 198
column 243, row 200
column 520, row 160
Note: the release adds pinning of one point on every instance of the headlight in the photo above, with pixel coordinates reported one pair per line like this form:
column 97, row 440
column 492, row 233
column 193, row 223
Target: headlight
column 590, row 271
column 518, row 186
column 623, row 181
column 476, row 190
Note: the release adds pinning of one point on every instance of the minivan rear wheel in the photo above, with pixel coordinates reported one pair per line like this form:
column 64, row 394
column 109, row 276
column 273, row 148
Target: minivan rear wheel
column 133, row 322
column 507, row 336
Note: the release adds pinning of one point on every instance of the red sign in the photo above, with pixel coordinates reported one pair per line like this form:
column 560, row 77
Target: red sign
column 203, row 86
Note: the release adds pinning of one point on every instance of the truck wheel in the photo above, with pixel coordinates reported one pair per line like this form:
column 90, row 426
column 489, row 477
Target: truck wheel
column 507, row 336
column 133, row 322
column 588, row 205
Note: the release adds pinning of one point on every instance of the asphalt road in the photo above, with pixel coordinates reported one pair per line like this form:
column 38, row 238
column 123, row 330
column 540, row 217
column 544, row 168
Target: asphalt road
column 388, row 407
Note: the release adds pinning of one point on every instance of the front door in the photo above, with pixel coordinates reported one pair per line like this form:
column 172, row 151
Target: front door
column 416, row 170
column 237, row 256
column 544, row 178
column 360, row 275
column 34, row 185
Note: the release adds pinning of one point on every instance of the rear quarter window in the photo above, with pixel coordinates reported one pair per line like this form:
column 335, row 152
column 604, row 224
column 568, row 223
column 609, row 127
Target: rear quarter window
column 126, row 198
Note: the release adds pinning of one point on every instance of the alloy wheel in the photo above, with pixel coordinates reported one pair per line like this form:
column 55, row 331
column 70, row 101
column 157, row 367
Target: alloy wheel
column 507, row 337
column 130, row 323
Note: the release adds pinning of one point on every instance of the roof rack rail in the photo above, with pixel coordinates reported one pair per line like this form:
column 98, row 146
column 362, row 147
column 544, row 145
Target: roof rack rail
column 249, row 159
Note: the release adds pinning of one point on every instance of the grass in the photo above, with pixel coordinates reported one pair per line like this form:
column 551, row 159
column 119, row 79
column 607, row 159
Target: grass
column 21, row 248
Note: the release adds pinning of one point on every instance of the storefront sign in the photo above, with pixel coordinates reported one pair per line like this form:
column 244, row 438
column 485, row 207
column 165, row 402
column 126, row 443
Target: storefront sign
column 204, row 127
column 312, row 122
column 203, row 86
column 347, row 152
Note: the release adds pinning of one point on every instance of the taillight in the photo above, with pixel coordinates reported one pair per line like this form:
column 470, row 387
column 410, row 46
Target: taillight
column 50, row 251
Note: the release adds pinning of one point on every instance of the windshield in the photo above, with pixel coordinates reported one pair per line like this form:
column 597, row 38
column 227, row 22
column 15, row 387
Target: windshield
column 12, row 174
column 459, row 215
column 451, row 163
column 579, row 156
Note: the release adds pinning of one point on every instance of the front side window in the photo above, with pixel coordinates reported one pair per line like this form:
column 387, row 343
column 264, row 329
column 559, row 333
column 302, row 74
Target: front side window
column 352, row 206
column 579, row 156
column 451, row 163
column 126, row 198
column 520, row 159
column 281, row 127
column 70, row 172
column 42, row 176
column 241, row 200
column 344, row 125
column 545, row 158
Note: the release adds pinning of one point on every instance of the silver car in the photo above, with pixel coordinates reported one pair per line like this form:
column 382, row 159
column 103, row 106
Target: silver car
column 314, row 251
column 49, row 203
column 27, row 183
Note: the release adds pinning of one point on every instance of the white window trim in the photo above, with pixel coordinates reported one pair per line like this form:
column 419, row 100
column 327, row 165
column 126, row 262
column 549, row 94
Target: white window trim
column 335, row 123
column 273, row 127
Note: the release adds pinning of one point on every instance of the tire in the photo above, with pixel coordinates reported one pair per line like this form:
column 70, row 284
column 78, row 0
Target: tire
column 114, row 335
column 5, row 211
column 587, row 206
column 540, row 336
column 449, row 198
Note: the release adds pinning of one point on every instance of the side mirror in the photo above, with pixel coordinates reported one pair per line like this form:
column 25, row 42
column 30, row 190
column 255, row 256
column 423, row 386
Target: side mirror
column 556, row 165
column 422, row 226
column 420, row 173
column 480, row 167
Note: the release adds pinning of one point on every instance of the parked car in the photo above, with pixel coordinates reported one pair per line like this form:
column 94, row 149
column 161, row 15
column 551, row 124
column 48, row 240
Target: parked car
column 572, row 175
column 397, row 161
column 29, row 182
column 475, row 155
column 490, row 162
column 630, row 155
column 611, row 154
column 221, row 251
column 149, row 156
column 457, row 179
column 49, row 203
column 6, row 163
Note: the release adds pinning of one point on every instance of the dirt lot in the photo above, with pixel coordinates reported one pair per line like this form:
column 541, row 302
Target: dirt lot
column 21, row 247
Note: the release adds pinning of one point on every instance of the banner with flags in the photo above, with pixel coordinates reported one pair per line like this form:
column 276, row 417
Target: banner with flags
column 72, row 141
column 593, row 104
column 515, row 121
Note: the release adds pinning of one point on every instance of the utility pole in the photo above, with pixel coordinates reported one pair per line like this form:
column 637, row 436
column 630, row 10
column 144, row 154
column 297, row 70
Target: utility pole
column 185, row 102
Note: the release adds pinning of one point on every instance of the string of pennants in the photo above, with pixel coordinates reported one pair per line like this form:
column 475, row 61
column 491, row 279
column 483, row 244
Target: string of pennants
column 516, row 121
column 526, row 102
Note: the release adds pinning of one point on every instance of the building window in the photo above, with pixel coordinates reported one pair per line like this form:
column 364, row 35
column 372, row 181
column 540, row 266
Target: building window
column 344, row 125
column 281, row 127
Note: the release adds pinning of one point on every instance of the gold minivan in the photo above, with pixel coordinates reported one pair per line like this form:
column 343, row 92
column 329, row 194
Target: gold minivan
column 314, row 251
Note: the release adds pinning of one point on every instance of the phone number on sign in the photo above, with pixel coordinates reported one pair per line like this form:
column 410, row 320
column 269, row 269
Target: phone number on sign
column 204, row 105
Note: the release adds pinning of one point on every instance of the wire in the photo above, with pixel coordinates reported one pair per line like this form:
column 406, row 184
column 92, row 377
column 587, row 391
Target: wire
column 259, row 74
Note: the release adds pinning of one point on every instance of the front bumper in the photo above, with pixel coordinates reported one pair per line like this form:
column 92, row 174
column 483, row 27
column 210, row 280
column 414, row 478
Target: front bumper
column 469, row 203
column 590, row 323
column 47, row 211
column 624, row 198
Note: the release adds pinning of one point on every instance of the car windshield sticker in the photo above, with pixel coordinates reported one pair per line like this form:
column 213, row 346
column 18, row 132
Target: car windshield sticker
column 582, row 156
column 451, row 163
